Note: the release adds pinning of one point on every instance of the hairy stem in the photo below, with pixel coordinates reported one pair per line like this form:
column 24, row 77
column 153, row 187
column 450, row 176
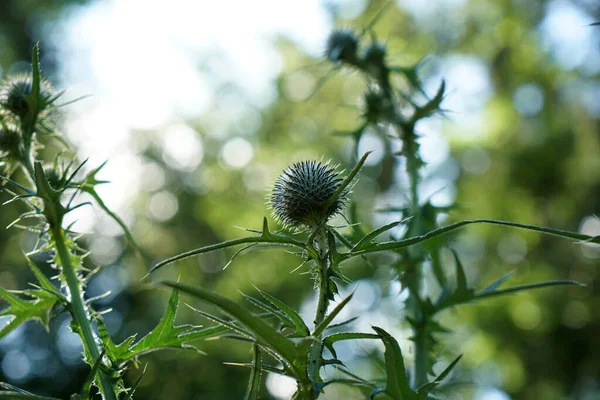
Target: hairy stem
column 78, row 310
column 322, row 269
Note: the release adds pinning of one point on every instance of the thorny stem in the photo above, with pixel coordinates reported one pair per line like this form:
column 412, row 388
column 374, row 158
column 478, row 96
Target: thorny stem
column 78, row 310
column 419, row 376
column 322, row 270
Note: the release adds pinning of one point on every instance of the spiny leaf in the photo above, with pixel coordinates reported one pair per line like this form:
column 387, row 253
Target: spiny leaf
column 397, row 385
column 14, row 392
column 301, row 328
column 428, row 387
column 136, row 384
column 515, row 289
column 285, row 320
column 461, row 278
column 469, row 296
column 337, row 337
column 372, row 235
column 263, row 332
column 273, row 238
column 226, row 324
column 321, row 327
column 253, row 389
column 399, row 244
column 87, row 385
column 165, row 335
column 497, row 283
column 25, row 310
column 347, row 180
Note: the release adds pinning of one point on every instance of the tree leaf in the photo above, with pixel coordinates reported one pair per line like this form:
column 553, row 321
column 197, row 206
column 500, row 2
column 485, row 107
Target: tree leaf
column 253, row 389
column 397, row 385
column 263, row 332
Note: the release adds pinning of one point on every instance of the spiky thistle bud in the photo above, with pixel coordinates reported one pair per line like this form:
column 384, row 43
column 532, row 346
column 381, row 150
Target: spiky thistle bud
column 15, row 95
column 342, row 46
column 301, row 194
column 10, row 142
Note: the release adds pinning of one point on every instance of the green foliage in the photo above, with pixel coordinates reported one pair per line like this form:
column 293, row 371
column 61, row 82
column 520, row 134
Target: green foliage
column 165, row 335
column 44, row 299
column 395, row 102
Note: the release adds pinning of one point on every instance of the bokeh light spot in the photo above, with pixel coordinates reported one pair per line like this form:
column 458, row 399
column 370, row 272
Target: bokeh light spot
column 281, row 387
column 163, row 206
column 237, row 153
column 16, row 365
column 182, row 148
column 526, row 315
column 528, row 99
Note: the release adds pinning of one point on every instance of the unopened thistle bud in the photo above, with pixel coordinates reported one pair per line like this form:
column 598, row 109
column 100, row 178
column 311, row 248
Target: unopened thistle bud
column 10, row 141
column 302, row 193
column 15, row 95
column 342, row 46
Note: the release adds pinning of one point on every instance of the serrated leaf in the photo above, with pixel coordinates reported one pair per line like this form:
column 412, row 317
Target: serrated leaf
column 321, row 327
column 337, row 337
column 24, row 310
column 284, row 319
column 165, row 335
column 397, row 385
column 226, row 324
column 301, row 328
column 253, row 389
column 263, row 332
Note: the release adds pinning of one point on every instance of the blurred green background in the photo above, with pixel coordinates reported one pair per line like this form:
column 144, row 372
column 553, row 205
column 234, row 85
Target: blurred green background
column 199, row 106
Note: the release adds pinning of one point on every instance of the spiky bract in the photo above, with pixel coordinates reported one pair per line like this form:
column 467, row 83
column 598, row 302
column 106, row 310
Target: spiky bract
column 16, row 92
column 301, row 194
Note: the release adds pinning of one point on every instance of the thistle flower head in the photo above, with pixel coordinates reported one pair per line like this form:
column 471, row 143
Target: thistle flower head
column 301, row 194
column 10, row 141
column 16, row 92
column 342, row 45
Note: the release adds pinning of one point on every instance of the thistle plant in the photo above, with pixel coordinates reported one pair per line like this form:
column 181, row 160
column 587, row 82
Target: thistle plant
column 304, row 199
column 50, row 192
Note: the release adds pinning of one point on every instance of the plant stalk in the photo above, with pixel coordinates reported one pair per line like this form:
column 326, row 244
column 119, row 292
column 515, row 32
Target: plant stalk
column 78, row 310
column 322, row 269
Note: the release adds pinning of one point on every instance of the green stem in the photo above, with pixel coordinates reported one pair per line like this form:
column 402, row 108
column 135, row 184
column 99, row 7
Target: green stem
column 316, row 351
column 78, row 309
